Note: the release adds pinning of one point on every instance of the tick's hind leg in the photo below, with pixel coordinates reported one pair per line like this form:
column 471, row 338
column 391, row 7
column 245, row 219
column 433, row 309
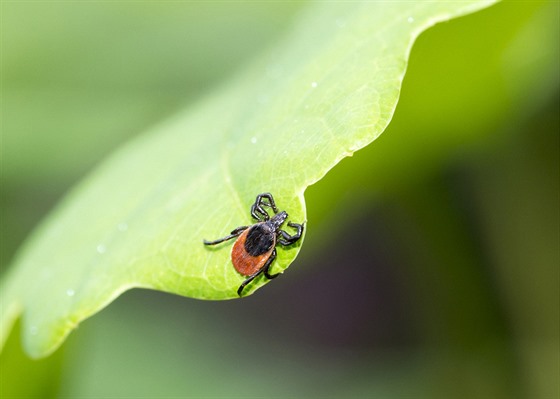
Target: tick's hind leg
column 287, row 239
column 251, row 278
column 264, row 270
column 235, row 233
column 266, row 266
column 257, row 210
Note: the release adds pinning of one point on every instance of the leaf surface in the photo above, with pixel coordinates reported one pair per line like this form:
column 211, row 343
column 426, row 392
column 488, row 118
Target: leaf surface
column 328, row 89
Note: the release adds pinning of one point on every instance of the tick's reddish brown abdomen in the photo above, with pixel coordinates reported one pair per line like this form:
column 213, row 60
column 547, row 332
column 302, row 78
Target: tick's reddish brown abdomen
column 243, row 262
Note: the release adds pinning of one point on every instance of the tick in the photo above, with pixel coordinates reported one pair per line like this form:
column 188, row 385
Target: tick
column 255, row 247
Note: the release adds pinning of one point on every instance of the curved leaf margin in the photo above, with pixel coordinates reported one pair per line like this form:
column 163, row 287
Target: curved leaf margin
column 138, row 220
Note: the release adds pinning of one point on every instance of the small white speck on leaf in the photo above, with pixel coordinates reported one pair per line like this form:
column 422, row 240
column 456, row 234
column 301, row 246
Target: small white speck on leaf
column 122, row 226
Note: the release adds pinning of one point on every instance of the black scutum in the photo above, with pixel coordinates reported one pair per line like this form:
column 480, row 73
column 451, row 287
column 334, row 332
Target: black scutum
column 260, row 239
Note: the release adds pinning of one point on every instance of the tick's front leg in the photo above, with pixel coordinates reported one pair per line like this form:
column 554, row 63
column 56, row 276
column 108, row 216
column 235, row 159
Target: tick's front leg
column 257, row 208
column 287, row 239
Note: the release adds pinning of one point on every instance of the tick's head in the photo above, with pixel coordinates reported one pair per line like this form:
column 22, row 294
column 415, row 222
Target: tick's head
column 278, row 219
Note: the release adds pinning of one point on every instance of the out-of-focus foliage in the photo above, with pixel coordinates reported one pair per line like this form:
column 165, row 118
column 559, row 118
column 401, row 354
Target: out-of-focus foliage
column 436, row 275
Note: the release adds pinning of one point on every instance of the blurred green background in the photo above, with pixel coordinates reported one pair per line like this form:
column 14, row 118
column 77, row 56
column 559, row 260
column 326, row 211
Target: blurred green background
column 430, row 268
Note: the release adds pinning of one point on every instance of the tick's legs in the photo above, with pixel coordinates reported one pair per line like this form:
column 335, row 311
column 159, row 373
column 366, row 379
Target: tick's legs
column 257, row 210
column 266, row 266
column 251, row 278
column 235, row 233
column 261, row 270
column 287, row 239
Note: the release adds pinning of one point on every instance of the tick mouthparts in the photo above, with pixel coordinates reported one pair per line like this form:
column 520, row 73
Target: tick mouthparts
column 279, row 219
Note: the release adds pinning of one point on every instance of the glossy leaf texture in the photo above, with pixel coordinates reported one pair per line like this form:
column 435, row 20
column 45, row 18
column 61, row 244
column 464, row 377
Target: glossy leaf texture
column 329, row 88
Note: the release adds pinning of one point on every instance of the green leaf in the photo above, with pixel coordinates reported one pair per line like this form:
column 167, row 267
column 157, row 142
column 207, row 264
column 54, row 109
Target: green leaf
column 328, row 89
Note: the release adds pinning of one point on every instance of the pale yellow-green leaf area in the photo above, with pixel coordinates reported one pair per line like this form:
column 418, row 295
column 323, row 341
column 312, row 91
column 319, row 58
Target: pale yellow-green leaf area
column 327, row 89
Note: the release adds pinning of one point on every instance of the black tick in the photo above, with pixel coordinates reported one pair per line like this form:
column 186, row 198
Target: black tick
column 255, row 247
